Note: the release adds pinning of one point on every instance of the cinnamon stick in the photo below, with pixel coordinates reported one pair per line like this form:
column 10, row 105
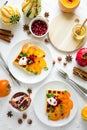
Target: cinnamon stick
column 80, row 73
column 9, row 31
column 5, row 38
column 6, row 32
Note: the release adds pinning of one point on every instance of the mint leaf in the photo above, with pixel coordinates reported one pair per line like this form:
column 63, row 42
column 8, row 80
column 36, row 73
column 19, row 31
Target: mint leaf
column 45, row 68
column 48, row 117
column 51, row 109
column 65, row 91
column 23, row 54
column 60, row 111
column 35, row 73
column 49, row 95
column 27, row 69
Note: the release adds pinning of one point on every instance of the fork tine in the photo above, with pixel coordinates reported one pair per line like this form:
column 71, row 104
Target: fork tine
column 62, row 73
column 76, row 86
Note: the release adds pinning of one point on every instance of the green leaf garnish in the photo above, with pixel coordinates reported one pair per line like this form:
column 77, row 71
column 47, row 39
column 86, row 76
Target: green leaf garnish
column 23, row 54
column 28, row 69
column 60, row 111
column 45, row 68
column 35, row 73
column 14, row 19
column 48, row 117
column 49, row 95
column 62, row 105
column 65, row 91
column 51, row 109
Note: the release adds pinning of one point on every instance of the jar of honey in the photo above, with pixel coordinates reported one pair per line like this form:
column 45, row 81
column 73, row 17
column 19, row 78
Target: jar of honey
column 79, row 32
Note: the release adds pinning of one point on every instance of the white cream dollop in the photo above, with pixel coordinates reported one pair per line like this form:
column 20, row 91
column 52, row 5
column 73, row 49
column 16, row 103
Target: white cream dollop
column 52, row 101
column 23, row 61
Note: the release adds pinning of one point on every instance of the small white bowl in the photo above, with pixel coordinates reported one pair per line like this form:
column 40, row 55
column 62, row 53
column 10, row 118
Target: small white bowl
column 35, row 23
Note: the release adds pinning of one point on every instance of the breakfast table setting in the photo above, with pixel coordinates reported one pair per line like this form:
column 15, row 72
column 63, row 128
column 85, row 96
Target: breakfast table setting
column 43, row 64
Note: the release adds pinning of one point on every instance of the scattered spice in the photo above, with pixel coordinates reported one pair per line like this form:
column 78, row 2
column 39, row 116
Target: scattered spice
column 77, row 20
column 9, row 114
column 68, row 58
column 25, row 27
column 29, row 90
column 29, row 121
column 28, row 32
column 47, row 40
column 24, row 116
column 54, row 62
column 46, row 14
column 64, row 63
column 20, row 121
column 59, row 58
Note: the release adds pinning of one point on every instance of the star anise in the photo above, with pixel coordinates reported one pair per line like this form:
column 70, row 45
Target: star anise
column 29, row 90
column 68, row 58
column 25, row 27
column 28, row 32
column 9, row 114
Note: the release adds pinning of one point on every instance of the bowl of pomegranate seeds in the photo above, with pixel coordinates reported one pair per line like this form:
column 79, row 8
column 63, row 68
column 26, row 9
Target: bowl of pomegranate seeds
column 38, row 27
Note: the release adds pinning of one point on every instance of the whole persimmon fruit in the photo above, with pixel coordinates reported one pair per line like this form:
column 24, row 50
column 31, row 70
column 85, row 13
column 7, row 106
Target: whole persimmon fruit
column 5, row 88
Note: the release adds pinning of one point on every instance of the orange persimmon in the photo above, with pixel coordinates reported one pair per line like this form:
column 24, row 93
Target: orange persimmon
column 5, row 88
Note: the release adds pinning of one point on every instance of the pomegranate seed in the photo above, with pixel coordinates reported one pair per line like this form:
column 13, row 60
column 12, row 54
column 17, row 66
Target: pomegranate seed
column 39, row 27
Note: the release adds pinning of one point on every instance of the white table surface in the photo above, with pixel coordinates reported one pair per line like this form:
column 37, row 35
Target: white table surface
column 6, row 123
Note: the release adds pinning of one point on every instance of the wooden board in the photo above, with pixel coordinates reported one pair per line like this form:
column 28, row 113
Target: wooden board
column 60, row 33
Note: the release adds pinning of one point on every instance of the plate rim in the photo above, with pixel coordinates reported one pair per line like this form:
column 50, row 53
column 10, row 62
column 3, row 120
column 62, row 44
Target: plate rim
column 58, row 81
column 22, row 42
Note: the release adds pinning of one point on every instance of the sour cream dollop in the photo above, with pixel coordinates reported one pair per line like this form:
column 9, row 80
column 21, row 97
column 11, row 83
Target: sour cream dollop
column 52, row 101
column 23, row 61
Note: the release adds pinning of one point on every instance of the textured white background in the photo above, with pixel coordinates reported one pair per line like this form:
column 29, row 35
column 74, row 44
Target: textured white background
column 6, row 123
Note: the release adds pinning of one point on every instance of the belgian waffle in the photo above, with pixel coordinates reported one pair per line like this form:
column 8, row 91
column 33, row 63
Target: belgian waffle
column 63, row 106
column 16, row 62
column 37, row 59
column 55, row 93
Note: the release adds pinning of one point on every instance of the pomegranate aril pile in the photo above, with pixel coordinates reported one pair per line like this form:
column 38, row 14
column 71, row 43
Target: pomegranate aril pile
column 39, row 27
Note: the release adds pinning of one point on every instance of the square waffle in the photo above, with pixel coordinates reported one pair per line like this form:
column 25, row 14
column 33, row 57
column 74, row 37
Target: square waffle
column 34, row 57
column 58, row 104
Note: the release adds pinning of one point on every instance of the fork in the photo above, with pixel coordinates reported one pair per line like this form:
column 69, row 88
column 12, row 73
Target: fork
column 76, row 86
column 5, row 67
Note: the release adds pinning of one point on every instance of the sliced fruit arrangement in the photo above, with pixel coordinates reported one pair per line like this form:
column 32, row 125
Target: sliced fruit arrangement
column 58, row 104
column 31, row 8
column 5, row 88
column 31, row 59
column 9, row 15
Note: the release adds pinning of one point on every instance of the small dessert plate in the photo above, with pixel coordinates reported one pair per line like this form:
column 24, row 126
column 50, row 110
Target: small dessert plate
column 38, row 27
column 39, row 103
column 21, row 75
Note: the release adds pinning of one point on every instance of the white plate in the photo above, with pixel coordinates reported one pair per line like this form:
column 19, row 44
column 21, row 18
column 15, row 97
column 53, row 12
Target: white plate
column 20, row 74
column 39, row 103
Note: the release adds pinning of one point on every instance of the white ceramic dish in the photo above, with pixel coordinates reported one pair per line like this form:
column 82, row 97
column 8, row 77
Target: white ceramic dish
column 20, row 74
column 39, row 103
column 35, row 19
